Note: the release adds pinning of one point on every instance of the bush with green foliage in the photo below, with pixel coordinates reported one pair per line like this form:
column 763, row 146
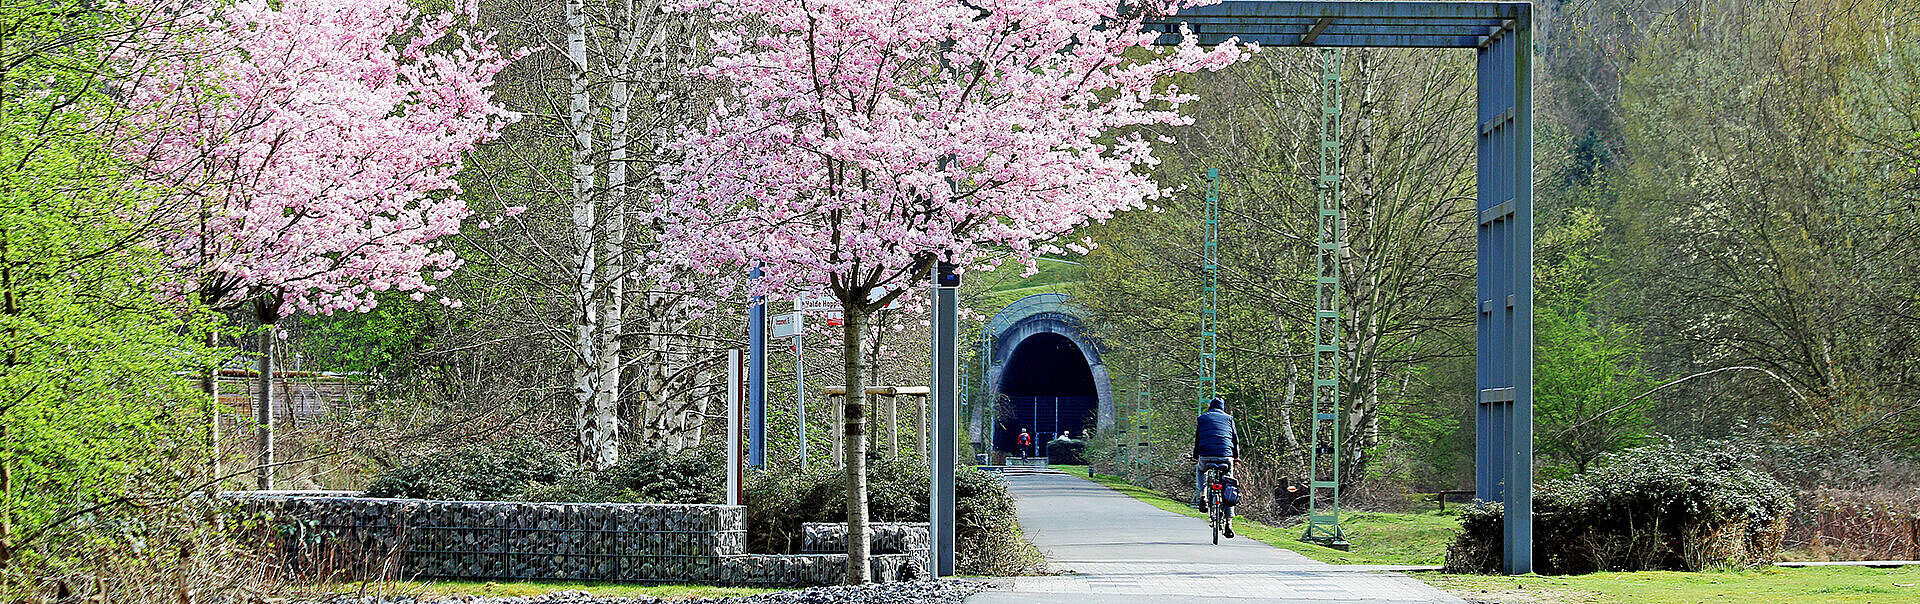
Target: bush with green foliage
column 529, row 472
column 1067, row 452
column 987, row 538
column 481, row 472
column 1658, row 507
column 655, row 476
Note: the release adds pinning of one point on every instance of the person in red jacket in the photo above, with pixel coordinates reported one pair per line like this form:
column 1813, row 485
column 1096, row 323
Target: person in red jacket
column 1026, row 444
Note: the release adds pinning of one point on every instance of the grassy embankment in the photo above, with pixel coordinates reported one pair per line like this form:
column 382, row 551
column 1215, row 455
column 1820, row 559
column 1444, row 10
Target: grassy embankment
column 1422, row 539
column 1758, row 586
column 992, row 291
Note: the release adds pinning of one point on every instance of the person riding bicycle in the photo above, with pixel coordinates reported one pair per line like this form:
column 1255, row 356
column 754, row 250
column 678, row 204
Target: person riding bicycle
column 1213, row 442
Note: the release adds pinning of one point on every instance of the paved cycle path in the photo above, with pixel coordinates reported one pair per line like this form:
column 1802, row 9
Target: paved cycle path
column 1111, row 548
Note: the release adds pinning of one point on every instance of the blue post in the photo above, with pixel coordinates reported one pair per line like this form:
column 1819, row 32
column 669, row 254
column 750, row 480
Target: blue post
column 756, row 378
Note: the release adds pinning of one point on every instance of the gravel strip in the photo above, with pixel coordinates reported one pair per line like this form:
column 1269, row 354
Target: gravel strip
column 950, row 591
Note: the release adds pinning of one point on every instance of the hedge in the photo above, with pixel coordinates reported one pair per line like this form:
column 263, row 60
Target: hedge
column 1659, row 507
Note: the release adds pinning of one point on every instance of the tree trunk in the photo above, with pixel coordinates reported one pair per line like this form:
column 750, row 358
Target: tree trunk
column 9, row 304
column 6, row 505
column 210, row 384
column 613, row 244
column 859, row 535
column 268, row 312
column 596, row 421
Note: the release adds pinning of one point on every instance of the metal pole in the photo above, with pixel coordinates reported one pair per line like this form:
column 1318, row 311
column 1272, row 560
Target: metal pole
column 800, row 380
column 946, row 424
column 733, row 427
column 756, row 377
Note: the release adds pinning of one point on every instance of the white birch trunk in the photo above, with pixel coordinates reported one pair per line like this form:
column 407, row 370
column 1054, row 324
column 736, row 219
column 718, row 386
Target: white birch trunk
column 606, row 397
column 597, row 427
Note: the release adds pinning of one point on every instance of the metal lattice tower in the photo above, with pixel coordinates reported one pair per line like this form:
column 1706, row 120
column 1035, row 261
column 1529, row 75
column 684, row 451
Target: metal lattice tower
column 1323, row 511
column 1210, row 296
column 1143, row 449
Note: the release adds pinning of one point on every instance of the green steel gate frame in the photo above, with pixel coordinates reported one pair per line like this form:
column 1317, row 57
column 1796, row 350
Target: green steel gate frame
column 1329, row 418
column 1502, row 35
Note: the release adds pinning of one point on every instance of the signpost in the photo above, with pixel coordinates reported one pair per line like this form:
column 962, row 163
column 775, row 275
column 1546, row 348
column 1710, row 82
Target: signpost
column 794, row 325
column 736, row 401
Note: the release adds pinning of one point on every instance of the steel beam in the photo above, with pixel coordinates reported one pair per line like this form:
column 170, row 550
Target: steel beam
column 1416, row 10
column 1330, row 41
column 1310, row 31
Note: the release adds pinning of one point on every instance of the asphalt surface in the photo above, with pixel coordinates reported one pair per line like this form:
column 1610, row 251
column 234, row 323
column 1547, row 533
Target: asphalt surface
column 1111, row 548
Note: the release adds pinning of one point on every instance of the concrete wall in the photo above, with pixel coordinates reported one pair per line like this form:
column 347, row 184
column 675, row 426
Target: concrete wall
column 363, row 537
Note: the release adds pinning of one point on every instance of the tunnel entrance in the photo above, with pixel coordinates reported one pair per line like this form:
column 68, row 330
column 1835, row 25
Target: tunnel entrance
column 1047, row 387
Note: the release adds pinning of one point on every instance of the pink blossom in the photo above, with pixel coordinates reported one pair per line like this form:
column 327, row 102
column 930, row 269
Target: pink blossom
column 312, row 144
column 861, row 141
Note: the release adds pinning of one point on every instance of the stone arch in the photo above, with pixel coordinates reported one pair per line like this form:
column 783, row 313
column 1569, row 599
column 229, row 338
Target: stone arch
column 1043, row 329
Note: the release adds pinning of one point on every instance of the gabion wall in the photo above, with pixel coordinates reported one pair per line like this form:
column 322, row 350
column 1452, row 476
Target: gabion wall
column 362, row 537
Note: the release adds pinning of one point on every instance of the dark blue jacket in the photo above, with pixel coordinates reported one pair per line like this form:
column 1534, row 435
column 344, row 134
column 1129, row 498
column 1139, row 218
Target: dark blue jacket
column 1213, row 435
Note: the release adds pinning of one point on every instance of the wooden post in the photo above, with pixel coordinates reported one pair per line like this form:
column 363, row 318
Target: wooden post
column 920, row 425
column 893, row 426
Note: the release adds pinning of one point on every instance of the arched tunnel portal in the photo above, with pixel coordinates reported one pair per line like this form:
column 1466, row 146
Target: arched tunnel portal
column 1044, row 374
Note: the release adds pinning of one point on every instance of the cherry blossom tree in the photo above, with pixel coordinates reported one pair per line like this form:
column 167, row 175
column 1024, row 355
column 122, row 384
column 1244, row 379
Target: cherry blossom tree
column 863, row 142
column 319, row 140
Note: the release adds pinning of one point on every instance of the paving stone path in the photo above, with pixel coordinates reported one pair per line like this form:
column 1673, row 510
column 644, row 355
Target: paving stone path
column 1112, row 548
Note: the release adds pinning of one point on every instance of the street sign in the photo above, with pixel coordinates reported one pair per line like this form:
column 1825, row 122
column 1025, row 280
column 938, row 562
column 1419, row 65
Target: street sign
column 819, row 304
column 828, row 307
column 788, row 325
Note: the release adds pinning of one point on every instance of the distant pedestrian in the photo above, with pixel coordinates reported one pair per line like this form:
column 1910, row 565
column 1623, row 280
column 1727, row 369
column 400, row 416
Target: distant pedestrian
column 1026, row 444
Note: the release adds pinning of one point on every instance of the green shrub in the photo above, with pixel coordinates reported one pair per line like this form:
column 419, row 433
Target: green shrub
column 987, row 535
column 1067, row 452
column 525, row 472
column 655, row 476
column 484, row 472
column 1659, row 507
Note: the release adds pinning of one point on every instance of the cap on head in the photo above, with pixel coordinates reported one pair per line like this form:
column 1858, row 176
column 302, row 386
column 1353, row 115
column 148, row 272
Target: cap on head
column 1217, row 404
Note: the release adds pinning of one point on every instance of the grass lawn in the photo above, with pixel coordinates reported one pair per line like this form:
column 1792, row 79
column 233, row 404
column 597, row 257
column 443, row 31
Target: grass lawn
column 1376, row 538
column 535, row 588
column 1761, row 586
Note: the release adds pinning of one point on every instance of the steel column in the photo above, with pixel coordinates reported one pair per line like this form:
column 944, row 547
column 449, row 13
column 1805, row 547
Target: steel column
column 1504, row 325
column 946, row 423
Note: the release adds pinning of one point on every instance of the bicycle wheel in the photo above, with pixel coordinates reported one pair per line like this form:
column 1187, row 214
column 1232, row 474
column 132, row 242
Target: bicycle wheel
column 1213, row 514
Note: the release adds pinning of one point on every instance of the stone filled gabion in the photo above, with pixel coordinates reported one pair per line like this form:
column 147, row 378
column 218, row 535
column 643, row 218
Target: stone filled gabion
column 949, row 591
column 359, row 537
column 888, row 537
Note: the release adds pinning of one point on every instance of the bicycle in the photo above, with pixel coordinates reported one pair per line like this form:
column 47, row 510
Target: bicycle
column 1222, row 495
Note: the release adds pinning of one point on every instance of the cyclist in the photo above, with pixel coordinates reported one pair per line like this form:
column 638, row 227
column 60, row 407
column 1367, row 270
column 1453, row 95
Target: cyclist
column 1026, row 443
column 1213, row 441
